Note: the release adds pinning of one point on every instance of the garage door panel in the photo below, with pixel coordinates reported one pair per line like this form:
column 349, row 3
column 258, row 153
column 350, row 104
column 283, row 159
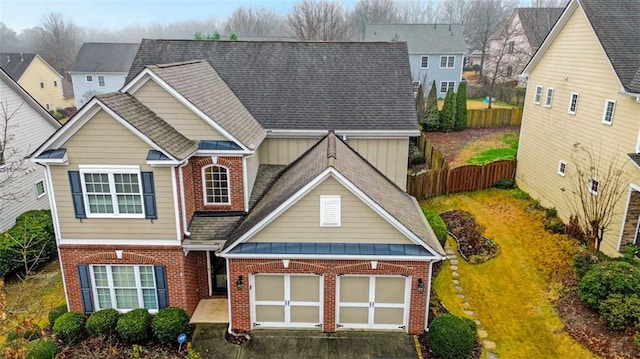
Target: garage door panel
column 354, row 315
column 388, row 316
column 390, row 290
column 354, row 289
column 269, row 288
column 304, row 314
column 269, row 313
column 305, row 288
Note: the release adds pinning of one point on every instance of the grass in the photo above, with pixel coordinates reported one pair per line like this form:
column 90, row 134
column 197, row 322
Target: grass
column 479, row 104
column 512, row 295
column 497, row 154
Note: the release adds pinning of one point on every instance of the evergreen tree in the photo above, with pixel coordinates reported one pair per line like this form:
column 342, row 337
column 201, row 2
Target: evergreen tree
column 432, row 115
column 448, row 114
column 461, row 107
column 420, row 107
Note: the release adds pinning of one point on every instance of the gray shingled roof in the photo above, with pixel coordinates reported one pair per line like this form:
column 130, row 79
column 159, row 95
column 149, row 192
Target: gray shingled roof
column 537, row 22
column 148, row 123
column 14, row 64
column 304, row 85
column 616, row 23
column 332, row 152
column 104, row 57
column 201, row 85
column 421, row 38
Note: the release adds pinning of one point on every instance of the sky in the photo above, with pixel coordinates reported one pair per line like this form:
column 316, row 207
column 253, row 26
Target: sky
column 116, row 14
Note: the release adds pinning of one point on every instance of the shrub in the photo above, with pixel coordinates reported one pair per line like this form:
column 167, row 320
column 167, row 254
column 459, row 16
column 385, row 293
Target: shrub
column 68, row 327
column 41, row 349
column 584, row 261
column 620, row 312
column 574, row 230
column 33, row 229
column 448, row 113
column 606, row 279
column 505, row 183
column 450, row 337
column 27, row 330
column 461, row 107
column 169, row 323
column 134, row 326
column 437, row 224
column 472, row 325
column 102, row 322
column 416, row 155
column 55, row 313
column 554, row 225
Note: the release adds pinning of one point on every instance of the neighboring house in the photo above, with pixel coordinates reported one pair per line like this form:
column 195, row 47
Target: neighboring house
column 584, row 87
column 511, row 49
column 38, row 78
column 100, row 67
column 436, row 52
column 24, row 125
column 268, row 173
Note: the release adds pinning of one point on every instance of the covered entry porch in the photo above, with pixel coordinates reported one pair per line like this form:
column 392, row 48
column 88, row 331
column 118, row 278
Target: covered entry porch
column 631, row 225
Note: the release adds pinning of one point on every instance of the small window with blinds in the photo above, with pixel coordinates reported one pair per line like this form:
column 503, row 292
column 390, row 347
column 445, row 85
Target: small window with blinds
column 329, row 211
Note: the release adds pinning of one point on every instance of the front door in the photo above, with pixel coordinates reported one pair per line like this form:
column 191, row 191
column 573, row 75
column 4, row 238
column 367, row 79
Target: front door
column 218, row 270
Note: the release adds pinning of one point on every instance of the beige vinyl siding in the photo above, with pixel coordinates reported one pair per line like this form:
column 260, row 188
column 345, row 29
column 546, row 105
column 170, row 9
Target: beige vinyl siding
column 104, row 141
column 301, row 222
column 282, row 151
column 575, row 62
column 175, row 113
column 389, row 156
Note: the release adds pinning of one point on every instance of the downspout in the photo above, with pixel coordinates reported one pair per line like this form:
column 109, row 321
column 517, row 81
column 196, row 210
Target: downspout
column 182, row 201
column 426, row 312
column 231, row 332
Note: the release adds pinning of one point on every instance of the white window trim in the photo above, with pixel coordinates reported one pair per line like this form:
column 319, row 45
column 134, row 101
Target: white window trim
column 562, row 171
column 452, row 88
column 326, row 200
column 204, row 186
column 110, row 171
column 537, row 97
column 86, row 79
column 548, row 98
column 447, row 64
column 44, row 188
column 114, row 302
column 571, row 101
column 595, row 193
column 104, row 83
column 421, row 62
column 604, row 112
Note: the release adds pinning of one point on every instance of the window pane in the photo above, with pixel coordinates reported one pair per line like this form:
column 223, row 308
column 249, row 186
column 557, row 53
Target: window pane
column 97, row 182
column 100, row 276
column 129, row 204
column 150, row 299
column 99, row 203
column 123, row 276
column 146, row 277
column 127, row 298
column 216, row 184
column 104, row 298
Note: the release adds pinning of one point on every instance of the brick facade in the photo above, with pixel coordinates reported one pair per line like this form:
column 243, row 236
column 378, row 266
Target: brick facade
column 187, row 280
column 329, row 269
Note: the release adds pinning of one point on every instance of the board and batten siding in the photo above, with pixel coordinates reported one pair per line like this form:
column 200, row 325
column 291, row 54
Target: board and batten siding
column 175, row 113
column 389, row 156
column 282, row 151
column 301, row 222
column 575, row 62
column 104, row 141
column 27, row 130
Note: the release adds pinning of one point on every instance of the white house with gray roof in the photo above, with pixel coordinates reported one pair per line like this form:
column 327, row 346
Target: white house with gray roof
column 436, row 52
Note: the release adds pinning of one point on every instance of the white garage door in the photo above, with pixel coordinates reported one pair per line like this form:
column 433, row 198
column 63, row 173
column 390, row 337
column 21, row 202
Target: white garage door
column 286, row 300
column 372, row 302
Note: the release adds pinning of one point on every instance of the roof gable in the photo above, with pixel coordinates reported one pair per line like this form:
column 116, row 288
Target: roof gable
column 421, row 38
column 4, row 77
column 304, row 85
column 15, row 64
column 537, row 22
column 104, row 57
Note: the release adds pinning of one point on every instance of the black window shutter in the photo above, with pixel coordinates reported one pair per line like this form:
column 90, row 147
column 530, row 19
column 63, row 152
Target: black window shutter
column 149, row 194
column 161, row 287
column 85, row 288
column 76, row 194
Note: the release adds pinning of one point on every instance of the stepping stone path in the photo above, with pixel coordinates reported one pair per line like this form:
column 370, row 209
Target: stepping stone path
column 482, row 331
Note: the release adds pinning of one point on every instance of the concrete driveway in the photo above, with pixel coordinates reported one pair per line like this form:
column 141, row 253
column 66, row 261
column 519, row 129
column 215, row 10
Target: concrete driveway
column 209, row 341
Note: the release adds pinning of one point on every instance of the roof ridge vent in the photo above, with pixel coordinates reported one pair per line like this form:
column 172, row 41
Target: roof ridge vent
column 331, row 147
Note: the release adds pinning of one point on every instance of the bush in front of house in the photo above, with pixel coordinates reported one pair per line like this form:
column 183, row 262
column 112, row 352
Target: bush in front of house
column 102, row 322
column 607, row 279
column 169, row 323
column 450, row 337
column 41, row 349
column 33, row 236
column 584, row 261
column 620, row 312
column 56, row 312
column 437, row 224
column 134, row 326
column 505, row 183
column 69, row 327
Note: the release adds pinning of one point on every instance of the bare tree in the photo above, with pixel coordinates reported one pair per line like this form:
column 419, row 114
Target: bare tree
column 418, row 12
column 8, row 39
column 11, row 157
column 254, row 22
column 58, row 41
column 453, row 11
column 318, row 20
column 372, row 12
column 599, row 183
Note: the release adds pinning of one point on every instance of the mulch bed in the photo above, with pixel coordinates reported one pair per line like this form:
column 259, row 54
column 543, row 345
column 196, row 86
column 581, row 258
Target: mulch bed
column 473, row 247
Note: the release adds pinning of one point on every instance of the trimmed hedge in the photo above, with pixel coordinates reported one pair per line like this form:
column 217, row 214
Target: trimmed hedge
column 607, row 279
column 69, row 327
column 55, row 313
column 41, row 349
column 620, row 312
column 584, row 261
column 102, row 322
column 450, row 337
column 35, row 226
column 169, row 323
column 134, row 326
column 437, row 224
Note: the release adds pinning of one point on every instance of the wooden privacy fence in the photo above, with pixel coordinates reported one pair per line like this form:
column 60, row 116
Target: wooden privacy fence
column 495, row 117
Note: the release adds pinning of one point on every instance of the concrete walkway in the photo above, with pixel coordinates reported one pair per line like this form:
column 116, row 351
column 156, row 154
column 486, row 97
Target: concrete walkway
column 209, row 341
column 468, row 311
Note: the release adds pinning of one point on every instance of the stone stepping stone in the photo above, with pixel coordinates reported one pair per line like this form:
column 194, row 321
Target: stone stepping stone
column 453, row 261
column 491, row 355
column 455, row 274
column 458, row 288
column 478, row 323
column 460, row 296
column 450, row 251
column 482, row 334
column 488, row 344
column 455, row 281
column 468, row 312
column 453, row 267
column 466, row 304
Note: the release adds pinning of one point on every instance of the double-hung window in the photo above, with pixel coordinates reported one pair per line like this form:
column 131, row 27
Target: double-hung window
column 88, row 79
column 594, row 184
column 447, row 62
column 100, row 80
column 112, row 192
column 215, row 184
column 424, row 62
column 446, row 86
column 538, row 98
column 607, row 115
column 549, row 99
column 573, row 103
column 124, row 287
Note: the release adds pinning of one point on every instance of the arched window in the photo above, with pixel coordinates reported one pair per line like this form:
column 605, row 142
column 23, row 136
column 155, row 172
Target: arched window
column 215, row 185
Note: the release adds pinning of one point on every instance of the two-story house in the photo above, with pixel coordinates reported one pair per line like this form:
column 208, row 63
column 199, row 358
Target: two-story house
column 584, row 87
column 512, row 48
column 100, row 67
column 436, row 52
column 24, row 125
column 38, row 78
column 268, row 174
